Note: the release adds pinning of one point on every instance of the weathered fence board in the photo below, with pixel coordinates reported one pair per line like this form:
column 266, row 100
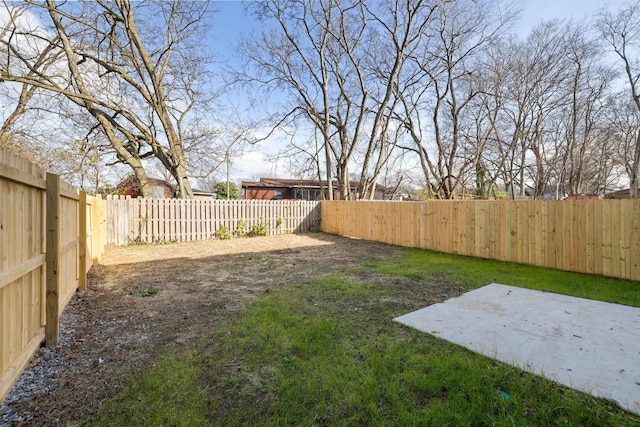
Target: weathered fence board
column 162, row 220
column 587, row 236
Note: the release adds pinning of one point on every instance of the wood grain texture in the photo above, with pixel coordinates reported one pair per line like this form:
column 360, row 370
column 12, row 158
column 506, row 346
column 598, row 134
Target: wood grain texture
column 586, row 236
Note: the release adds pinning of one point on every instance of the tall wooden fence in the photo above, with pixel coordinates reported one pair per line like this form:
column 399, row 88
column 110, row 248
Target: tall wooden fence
column 156, row 220
column 50, row 235
column 47, row 243
column 587, row 236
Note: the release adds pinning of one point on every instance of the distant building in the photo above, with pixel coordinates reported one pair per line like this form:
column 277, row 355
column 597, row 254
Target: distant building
column 202, row 195
column 584, row 197
column 160, row 189
column 620, row 194
column 297, row 189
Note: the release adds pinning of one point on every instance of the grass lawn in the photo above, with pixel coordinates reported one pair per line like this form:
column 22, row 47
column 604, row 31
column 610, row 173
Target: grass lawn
column 477, row 272
column 326, row 352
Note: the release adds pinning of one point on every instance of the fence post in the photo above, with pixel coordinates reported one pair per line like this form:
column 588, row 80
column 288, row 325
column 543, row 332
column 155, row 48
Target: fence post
column 82, row 241
column 53, row 260
column 98, row 227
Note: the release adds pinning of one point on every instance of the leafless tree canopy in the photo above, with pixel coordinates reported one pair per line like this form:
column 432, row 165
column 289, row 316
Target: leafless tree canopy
column 621, row 31
column 478, row 109
column 437, row 93
column 343, row 64
column 134, row 68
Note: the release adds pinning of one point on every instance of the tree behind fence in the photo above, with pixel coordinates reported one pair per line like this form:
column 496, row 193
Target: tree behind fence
column 131, row 221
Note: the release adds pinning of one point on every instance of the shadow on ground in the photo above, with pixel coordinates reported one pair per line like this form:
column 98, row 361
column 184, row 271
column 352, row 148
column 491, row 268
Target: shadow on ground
column 145, row 301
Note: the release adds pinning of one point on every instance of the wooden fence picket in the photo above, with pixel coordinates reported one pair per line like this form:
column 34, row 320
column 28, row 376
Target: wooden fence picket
column 44, row 257
column 156, row 220
column 586, row 236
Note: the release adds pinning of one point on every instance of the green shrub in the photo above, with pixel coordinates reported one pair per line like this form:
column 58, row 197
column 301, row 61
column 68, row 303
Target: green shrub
column 241, row 229
column 222, row 233
column 259, row 230
column 136, row 241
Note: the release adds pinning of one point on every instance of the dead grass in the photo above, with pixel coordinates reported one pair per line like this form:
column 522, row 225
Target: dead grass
column 119, row 327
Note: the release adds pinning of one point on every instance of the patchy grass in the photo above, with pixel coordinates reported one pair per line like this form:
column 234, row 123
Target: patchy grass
column 144, row 292
column 325, row 352
column 168, row 393
column 477, row 272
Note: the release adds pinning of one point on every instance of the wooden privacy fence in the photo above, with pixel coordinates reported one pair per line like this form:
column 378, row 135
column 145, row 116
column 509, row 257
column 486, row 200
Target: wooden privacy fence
column 49, row 237
column 587, row 236
column 163, row 220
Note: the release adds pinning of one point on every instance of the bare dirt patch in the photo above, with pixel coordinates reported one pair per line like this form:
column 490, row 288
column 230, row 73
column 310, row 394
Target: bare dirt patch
column 122, row 324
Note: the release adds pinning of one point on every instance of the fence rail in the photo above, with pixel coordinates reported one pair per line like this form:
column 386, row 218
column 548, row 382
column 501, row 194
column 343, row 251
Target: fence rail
column 587, row 236
column 51, row 234
column 22, row 265
column 44, row 256
column 156, row 220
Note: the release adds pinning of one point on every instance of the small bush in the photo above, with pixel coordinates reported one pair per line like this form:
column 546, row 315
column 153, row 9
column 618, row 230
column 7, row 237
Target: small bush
column 241, row 229
column 222, row 233
column 259, row 230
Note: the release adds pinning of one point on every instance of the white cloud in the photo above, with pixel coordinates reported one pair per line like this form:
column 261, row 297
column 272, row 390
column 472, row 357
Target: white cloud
column 251, row 165
column 260, row 159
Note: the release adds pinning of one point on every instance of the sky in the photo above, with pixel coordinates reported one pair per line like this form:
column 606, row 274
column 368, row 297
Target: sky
column 230, row 21
column 534, row 11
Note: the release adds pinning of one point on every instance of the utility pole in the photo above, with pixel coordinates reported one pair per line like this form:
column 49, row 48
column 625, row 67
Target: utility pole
column 226, row 157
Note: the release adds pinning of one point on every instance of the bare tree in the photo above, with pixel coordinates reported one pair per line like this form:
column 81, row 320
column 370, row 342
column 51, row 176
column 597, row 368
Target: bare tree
column 536, row 122
column 439, row 108
column 139, row 81
column 582, row 159
column 523, row 85
column 342, row 64
column 622, row 31
column 623, row 126
column 21, row 94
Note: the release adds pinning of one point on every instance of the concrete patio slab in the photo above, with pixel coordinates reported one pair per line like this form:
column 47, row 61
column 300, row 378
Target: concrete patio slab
column 588, row 345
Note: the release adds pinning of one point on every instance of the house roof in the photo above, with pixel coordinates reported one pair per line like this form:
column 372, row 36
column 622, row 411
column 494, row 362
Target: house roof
column 131, row 182
column 202, row 192
column 619, row 194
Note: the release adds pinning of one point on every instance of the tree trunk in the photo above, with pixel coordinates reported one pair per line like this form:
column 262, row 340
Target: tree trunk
column 635, row 174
